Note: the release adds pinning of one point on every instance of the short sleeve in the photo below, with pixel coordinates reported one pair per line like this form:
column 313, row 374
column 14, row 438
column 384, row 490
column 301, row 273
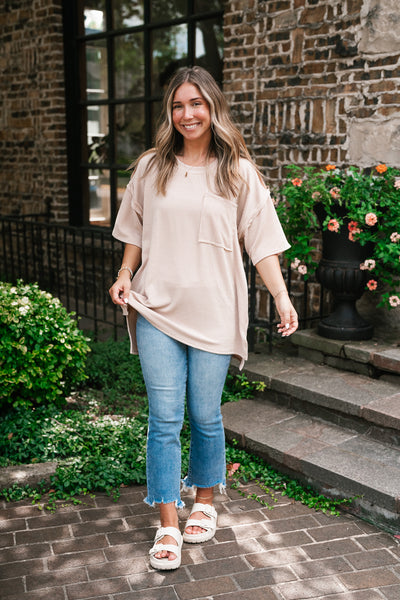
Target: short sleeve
column 258, row 224
column 128, row 226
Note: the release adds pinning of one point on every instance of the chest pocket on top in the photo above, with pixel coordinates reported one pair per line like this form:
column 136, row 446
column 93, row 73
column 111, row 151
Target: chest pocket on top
column 217, row 222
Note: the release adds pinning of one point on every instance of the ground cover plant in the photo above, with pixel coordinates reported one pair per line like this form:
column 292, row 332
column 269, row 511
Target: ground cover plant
column 99, row 437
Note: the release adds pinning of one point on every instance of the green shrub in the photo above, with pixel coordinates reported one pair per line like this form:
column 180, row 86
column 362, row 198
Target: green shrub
column 110, row 366
column 42, row 351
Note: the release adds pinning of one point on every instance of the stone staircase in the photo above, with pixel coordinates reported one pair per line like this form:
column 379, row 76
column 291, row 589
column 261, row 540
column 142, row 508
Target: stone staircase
column 329, row 416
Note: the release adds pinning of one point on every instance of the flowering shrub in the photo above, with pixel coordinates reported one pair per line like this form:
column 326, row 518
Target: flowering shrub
column 371, row 202
column 42, row 351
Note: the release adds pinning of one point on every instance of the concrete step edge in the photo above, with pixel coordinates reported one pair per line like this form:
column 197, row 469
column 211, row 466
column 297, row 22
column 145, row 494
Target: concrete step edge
column 374, row 500
column 383, row 356
column 350, row 398
column 31, row 474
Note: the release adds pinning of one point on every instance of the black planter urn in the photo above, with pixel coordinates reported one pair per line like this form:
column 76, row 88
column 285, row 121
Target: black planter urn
column 339, row 271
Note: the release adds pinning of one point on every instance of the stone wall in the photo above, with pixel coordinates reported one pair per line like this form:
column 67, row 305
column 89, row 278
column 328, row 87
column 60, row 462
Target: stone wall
column 33, row 170
column 315, row 81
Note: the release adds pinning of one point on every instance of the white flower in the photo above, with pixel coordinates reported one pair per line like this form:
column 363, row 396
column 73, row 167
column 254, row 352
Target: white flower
column 394, row 301
column 395, row 237
column 368, row 265
column 295, row 263
column 302, row 269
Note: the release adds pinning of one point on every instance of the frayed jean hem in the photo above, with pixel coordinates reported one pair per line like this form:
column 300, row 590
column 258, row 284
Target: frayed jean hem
column 178, row 503
column 191, row 487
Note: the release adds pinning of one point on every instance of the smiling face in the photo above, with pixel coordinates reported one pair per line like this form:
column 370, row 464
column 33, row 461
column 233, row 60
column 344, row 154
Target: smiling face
column 191, row 114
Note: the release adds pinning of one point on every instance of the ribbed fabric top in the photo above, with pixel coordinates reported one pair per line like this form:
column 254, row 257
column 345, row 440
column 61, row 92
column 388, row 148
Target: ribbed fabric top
column 191, row 284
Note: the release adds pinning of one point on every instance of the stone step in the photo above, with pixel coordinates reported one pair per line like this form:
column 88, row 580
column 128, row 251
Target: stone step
column 336, row 430
column 374, row 358
column 370, row 406
column 338, row 461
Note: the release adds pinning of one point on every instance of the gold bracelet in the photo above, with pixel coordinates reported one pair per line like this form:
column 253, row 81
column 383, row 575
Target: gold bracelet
column 125, row 268
column 281, row 292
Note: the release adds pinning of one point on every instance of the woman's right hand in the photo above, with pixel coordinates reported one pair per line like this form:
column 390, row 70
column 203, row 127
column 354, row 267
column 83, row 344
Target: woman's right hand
column 119, row 292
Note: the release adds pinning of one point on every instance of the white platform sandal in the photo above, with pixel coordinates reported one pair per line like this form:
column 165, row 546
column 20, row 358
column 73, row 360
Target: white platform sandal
column 210, row 524
column 164, row 564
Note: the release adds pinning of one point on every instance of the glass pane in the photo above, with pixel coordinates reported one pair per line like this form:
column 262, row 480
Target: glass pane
column 122, row 181
column 201, row 6
column 129, row 65
column 94, row 16
column 130, row 132
column 169, row 53
column 155, row 114
column 128, row 13
column 96, row 70
column 209, row 46
column 97, row 134
column 99, row 189
column 164, row 10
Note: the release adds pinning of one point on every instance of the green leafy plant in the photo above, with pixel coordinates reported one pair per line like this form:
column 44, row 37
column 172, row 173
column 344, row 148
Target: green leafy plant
column 42, row 351
column 245, row 468
column 100, row 449
column 369, row 201
column 238, row 386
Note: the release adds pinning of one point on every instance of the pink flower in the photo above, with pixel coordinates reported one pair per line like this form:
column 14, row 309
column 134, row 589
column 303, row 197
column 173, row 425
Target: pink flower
column 394, row 301
column 295, row 263
column 397, row 183
column 371, row 219
column 316, row 195
column 232, row 468
column 302, row 269
column 395, row 237
column 368, row 265
column 372, row 285
column 333, row 225
column 335, row 193
column 352, row 234
column 353, row 229
column 297, row 182
column 353, row 225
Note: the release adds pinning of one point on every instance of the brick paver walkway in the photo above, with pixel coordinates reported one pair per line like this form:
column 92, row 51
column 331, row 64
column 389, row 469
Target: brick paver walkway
column 99, row 550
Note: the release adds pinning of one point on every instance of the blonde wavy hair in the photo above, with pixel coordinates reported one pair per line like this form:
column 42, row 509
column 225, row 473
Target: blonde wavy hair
column 227, row 143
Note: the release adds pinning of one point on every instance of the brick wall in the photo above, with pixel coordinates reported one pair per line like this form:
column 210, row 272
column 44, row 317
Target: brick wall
column 33, row 168
column 314, row 81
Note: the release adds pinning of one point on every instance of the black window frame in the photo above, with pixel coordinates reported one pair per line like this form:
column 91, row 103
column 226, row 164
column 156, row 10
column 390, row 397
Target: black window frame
column 79, row 208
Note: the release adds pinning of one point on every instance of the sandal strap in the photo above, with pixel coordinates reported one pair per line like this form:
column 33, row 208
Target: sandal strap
column 172, row 531
column 207, row 509
column 203, row 523
column 168, row 547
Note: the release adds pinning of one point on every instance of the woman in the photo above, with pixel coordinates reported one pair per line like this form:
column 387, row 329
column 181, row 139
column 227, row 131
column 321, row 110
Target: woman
column 192, row 204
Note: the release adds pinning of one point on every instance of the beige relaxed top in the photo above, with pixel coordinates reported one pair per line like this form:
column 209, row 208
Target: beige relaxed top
column 191, row 284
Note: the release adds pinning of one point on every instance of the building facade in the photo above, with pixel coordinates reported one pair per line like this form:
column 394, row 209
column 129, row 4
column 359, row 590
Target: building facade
column 309, row 82
column 81, row 83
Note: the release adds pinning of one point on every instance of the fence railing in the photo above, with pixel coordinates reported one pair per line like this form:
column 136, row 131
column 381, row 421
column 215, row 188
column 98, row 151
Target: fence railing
column 78, row 265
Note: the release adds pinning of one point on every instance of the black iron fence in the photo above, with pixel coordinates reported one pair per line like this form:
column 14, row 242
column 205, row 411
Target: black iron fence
column 78, row 265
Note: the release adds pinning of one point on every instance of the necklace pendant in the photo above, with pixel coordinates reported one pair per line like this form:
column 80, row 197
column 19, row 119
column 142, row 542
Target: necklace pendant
column 186, row 174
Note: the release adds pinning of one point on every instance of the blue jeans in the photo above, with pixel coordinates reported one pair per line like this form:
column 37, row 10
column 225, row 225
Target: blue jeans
column 173, row 371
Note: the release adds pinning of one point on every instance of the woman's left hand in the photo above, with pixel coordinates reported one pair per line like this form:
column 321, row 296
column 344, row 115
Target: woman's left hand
column 289, row 320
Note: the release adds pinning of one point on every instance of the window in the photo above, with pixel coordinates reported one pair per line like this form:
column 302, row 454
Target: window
column 119, row 56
